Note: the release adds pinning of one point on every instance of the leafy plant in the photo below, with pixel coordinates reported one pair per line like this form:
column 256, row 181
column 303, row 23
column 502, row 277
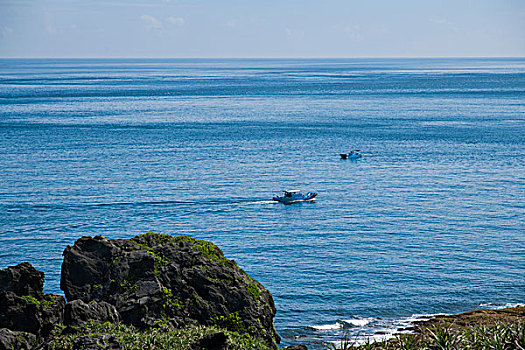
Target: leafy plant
column 443, row 339
column 31, row 300
column 344, row 344
column 232, row 322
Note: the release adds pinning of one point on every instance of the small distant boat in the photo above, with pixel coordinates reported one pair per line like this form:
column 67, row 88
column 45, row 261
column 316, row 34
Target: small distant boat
column 352, row 155
column 294, row 196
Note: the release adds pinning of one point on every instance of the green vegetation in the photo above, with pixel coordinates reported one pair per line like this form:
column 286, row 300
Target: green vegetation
column 232, row 322
column 31, row 300
column 185, row 238
column 47, row 304
column 162, row 338
column 206, row 248
column 252, row 287
column 480, row 337
column 129, row 284
column 114, row 261
column 169, row 300
column 344, row 344
column 159, row 238
column 159, row 261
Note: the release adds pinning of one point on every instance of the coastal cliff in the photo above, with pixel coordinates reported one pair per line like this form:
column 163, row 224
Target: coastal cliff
column 152, row 281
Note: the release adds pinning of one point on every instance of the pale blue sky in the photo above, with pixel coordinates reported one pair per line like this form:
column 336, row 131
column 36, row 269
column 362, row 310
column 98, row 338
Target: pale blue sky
column 270, row 28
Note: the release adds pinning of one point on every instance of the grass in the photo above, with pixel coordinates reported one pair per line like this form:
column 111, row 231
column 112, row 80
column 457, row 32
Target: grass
column 480, row 337
column 164, row 337
column 160, row 338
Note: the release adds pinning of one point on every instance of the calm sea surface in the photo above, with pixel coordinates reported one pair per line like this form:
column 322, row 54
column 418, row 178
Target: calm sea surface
column 430, row 220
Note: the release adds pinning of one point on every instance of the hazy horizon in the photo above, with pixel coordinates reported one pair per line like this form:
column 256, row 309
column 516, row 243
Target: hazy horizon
column 248, row 29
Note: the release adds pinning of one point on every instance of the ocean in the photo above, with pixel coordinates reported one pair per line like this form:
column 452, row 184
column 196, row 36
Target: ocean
column 431, row 219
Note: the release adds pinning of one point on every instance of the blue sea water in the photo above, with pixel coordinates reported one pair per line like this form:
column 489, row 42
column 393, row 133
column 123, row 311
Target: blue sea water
column 430, row 220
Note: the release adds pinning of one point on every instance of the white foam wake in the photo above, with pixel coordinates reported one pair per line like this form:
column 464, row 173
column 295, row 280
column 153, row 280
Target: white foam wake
column 261, row 202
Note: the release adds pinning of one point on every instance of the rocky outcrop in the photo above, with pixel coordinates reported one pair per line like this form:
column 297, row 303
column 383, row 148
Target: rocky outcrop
column 155, row 278
column 23, row 305
column 474, row 318
column 152, row 280
column 78, row 312
column 16, row 340
column 22, row 279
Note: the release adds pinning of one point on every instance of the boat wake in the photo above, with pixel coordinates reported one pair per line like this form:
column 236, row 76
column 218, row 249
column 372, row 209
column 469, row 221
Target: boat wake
column 261, row 202
column 138, row 204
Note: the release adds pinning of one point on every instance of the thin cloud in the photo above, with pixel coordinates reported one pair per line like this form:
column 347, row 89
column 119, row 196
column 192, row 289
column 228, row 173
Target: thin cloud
column 353, row 32
column 151, row 22
column 445, row 23
column 5, row 32
column 288, row 32
column 178, row 21
column 439, row 20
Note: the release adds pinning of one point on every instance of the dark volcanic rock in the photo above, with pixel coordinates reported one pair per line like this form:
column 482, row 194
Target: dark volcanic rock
column 78, row 312
column 215, row 341
column 16, row 340
column 23, row 305
column 180, row 280
column 27, row 314
column 86, row 342
column 22, row 279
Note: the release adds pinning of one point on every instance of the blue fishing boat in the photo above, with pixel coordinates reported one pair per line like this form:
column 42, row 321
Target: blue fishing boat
column 352, row 155
column 294, row 196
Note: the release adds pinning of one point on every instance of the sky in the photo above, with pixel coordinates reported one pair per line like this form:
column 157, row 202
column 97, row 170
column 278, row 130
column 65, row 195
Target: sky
column 269, row 28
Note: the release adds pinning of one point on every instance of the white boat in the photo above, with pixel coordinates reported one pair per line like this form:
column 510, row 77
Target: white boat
column 293, row 196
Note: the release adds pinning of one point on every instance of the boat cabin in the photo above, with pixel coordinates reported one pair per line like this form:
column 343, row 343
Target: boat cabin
column 290, row 193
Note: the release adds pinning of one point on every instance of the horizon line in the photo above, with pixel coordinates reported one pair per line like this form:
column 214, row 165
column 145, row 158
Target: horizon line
column 260, row 57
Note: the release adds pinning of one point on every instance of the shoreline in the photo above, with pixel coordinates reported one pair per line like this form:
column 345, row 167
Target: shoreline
column 471, row 318
column 378, row 329
column 475, row 329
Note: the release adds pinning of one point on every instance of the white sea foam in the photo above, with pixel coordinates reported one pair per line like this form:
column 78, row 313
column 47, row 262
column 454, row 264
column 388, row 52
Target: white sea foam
column 358, row 322
column 370, row 330
column 495, row 306
column 327, row 327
